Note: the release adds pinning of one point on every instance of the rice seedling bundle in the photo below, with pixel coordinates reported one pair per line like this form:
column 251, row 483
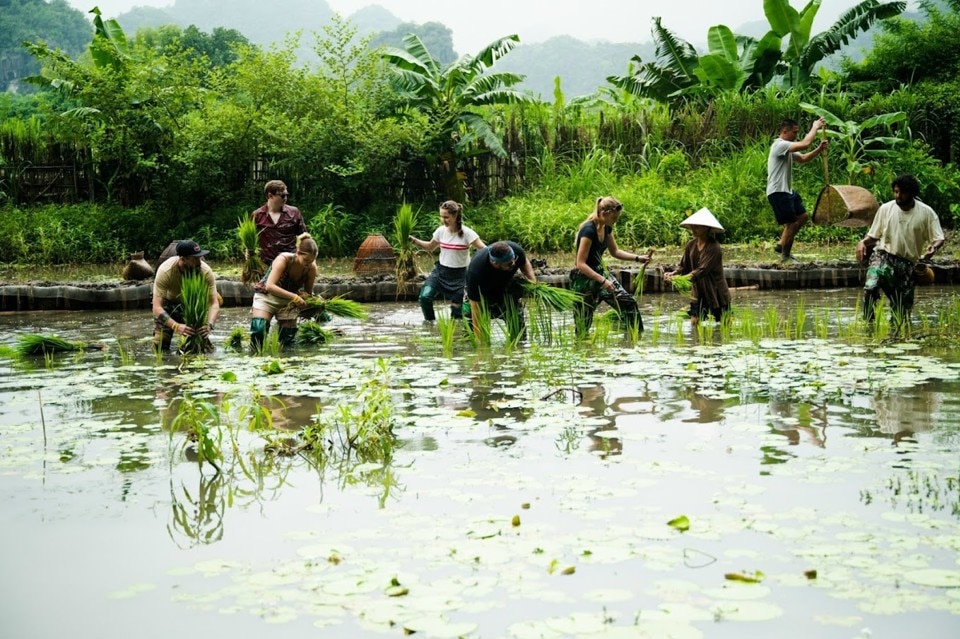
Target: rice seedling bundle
column 404, row 223
column 36, row 344
column 682, row 283
column 195, row 297
column 312, row 333
column 338, row 305
column 560, row 299
column 253, row 266
column 236, row 337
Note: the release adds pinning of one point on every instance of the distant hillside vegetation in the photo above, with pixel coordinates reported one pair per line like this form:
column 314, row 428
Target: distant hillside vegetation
column 583, row 67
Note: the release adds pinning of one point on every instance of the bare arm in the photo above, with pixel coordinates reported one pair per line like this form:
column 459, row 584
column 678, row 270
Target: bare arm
column 864, row 245
column 583, row 252
column 426, row 246
column 807, row 140
column 933, row 248
column 617, row 252
column 527, row 270
column 478, row 244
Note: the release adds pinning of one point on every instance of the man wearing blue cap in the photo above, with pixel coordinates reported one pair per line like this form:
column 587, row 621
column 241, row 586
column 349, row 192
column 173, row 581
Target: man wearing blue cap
column 490, row 279
column 167, row 305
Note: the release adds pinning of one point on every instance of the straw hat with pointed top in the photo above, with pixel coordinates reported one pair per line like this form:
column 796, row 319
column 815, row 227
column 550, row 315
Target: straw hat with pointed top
column 703, row 217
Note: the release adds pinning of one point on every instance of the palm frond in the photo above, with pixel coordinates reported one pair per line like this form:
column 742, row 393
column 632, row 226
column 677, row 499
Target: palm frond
column 674, row 53
column 415, row 47
column 722, row 41
column 479, row 129
column 854, row 21
column 490, row 82
column 488, row 55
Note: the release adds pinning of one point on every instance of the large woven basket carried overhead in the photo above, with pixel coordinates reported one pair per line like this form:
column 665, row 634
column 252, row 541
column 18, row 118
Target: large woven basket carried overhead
column 375, row 256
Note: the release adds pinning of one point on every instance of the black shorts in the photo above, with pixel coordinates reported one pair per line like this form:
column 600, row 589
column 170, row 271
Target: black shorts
column 787, row 207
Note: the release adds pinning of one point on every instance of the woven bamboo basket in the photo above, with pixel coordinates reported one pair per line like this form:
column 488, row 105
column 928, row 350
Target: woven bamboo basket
column 375, row 256
column 843, row 204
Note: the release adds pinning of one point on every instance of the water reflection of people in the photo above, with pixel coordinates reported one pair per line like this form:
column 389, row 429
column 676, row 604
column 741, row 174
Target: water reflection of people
column 913, row 411
column 709, row 409
column 594, row 399
column 792, row 420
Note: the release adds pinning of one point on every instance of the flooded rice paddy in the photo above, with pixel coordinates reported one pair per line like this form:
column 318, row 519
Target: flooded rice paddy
column 677, row 487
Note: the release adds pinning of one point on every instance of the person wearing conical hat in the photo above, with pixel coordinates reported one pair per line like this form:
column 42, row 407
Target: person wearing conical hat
column 703, row 260
column 591, row 279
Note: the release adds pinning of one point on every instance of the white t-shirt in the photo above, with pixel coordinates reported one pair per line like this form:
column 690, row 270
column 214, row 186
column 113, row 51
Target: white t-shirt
column 780, row 167
column 906, row 234
column 455, row 249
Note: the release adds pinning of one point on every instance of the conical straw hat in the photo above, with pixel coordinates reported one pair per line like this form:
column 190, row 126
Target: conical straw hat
column 703, row 217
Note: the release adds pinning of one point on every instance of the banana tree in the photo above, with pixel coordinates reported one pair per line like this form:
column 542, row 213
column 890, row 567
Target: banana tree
column 803, row 52
column 451, row 98
column 733, row 63
column 737, row 63
column 861, row 152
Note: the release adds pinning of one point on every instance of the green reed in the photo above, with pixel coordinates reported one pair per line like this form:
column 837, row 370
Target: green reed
column 514, row 326
column 447, row 328
column 483, row 323
column 200, row 422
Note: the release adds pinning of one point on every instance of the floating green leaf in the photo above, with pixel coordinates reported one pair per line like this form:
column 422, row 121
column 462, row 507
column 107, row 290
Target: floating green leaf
column 681, row 523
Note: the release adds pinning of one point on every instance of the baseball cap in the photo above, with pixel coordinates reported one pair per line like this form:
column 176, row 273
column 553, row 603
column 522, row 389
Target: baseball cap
column 189, row 248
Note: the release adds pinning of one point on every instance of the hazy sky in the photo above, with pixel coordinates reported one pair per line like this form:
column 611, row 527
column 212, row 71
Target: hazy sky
column 476, row 24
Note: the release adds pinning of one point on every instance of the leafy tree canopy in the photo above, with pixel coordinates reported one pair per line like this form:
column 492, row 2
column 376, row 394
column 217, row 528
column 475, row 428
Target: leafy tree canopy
column 55, row 22
column 912, row 51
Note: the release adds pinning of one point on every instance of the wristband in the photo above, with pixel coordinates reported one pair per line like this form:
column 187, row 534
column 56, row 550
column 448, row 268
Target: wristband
column 163, row 317
column 210, row 325
column 636, row 258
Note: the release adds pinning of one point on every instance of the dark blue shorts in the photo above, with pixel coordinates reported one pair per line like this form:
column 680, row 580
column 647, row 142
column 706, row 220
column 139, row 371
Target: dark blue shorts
column 787, row 207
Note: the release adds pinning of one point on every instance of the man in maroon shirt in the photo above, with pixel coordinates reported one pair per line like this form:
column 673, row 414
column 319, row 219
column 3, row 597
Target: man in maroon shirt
column 278, row 223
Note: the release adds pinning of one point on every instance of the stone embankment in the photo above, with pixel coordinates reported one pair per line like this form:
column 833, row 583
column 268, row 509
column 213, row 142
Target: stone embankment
column 137, row 295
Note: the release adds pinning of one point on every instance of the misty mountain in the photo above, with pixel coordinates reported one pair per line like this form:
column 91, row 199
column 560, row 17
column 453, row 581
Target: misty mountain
column 583, row 67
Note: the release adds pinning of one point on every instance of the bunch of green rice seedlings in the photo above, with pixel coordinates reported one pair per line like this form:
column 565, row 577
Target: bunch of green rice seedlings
column 312, row 333
column 338, row 305
column 195, row 297
column 560, row 299
column 36, row 344
column 253, row 267
column 236, row 338
column 404, row 224
column 682, row 283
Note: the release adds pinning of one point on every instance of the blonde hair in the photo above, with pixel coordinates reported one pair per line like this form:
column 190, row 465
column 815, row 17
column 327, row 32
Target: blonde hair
column 305, row 242
column 608, row 203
